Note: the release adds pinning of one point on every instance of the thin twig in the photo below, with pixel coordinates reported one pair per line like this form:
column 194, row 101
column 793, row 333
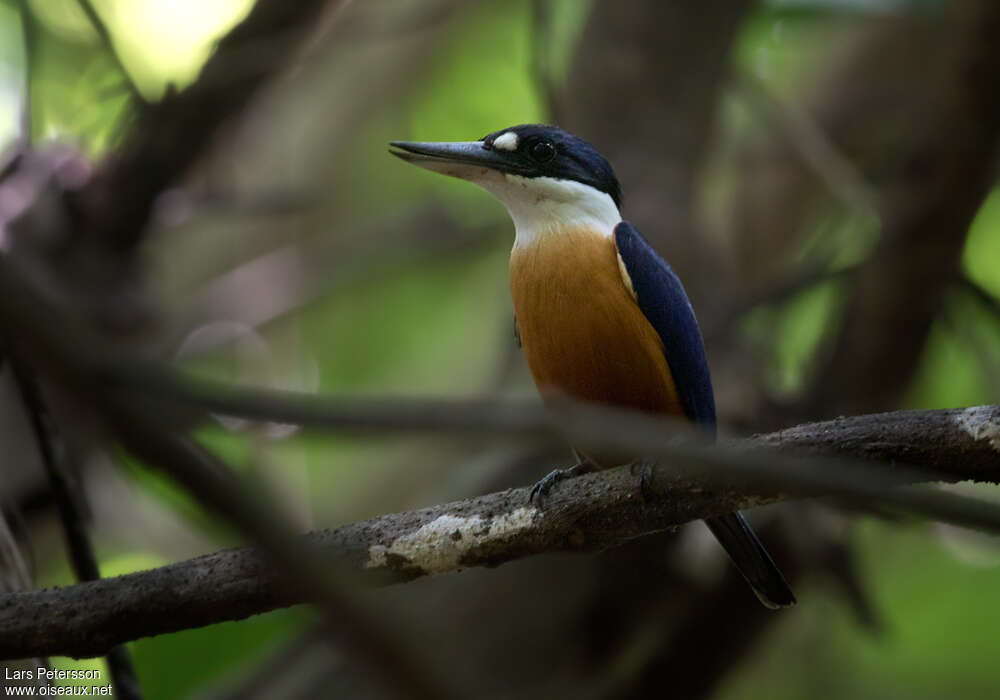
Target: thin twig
column 88, row 365
column 304, row 658
column 215, row 487
column 105, row 35
column 598, row 428
column 984, row 351
column 16, row 575
column 589, row 513
column 42, row 330
column 780, row 291
column 29, row 40
column 168, row 137
column 986, row 299
column 818, row 152
column 935, row 183
column 80, row 550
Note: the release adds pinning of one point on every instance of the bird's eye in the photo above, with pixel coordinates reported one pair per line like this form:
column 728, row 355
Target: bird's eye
column 542, row 151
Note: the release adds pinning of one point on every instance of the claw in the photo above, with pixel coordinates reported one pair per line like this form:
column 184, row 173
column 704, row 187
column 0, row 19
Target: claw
column 542, row 487
column 643, row 469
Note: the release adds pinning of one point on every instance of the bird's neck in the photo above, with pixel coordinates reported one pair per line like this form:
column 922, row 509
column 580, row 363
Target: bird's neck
column 543, row 206
column 539, row 224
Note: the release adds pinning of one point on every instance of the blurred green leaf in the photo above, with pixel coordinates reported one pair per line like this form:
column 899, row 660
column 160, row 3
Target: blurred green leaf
column 939, row 640
column 11, row 74
column 176, row 665
column 981, row 258
column 792, row 332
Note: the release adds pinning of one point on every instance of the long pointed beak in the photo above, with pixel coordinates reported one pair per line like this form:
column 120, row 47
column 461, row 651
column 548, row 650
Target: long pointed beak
column 456, row 158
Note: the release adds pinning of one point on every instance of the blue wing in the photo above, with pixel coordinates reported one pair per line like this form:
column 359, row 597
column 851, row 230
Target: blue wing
column 664, row 303
column 662, row 299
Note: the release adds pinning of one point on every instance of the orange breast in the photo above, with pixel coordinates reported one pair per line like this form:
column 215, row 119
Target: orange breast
column 583, row 333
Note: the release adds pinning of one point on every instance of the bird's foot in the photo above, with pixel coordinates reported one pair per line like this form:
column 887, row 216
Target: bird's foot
column 643, row 470
column 541, row 489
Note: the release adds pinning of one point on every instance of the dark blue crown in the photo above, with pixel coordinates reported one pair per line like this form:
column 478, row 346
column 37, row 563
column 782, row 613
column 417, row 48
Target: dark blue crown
column 570, row 158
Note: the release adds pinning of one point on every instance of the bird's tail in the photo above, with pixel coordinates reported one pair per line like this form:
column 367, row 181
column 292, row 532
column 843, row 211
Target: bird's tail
column 741, row 544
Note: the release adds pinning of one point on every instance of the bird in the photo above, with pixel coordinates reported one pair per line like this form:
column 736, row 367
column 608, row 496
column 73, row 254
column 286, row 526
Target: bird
column 600, row 316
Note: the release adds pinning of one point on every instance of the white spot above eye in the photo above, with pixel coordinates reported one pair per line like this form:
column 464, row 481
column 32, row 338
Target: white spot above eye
column 506, row 141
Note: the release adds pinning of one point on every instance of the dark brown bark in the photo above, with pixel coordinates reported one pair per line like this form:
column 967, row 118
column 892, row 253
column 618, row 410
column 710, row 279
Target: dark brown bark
column 590, row 513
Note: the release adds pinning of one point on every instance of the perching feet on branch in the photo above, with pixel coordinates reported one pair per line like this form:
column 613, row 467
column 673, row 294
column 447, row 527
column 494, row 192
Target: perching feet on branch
column 541, row 489
column 643, row 471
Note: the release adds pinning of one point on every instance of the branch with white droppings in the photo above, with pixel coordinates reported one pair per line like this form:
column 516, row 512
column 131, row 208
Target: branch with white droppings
column 980, row 423
column 589, row 513
column 443, row 544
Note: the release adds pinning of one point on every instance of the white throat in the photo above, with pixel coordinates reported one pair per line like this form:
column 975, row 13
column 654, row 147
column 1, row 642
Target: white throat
column 542, row 205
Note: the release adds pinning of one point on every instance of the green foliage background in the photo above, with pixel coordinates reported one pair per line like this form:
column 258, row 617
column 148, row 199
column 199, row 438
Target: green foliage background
column 438, row 325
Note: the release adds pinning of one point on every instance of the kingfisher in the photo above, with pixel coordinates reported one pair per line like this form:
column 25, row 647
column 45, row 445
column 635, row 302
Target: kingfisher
column 601, row 317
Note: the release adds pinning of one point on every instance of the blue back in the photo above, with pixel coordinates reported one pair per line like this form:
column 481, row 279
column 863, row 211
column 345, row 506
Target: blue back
column 664, row 303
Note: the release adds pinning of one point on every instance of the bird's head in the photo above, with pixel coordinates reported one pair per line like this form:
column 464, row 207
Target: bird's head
column 547, row 178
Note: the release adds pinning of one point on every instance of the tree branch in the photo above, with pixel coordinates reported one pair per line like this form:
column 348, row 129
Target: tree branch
column 937, row 184
column 66, row 494
column 94, row 17
column 170, row 136
column 349, row 619
column 589, row 513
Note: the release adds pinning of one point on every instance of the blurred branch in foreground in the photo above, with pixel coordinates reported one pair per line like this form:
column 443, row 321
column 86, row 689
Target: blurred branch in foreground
column 149, row 408
column 89, row 366
column 589, row 513
column 67, row 496
column 67, row 354
column 591, row 427
column 166, row 140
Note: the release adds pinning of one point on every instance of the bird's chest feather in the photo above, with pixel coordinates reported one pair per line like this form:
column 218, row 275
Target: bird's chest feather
column 582, row 331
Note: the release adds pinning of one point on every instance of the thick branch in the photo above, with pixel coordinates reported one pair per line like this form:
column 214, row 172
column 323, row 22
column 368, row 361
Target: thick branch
column 169, row 136
column 590, row 513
